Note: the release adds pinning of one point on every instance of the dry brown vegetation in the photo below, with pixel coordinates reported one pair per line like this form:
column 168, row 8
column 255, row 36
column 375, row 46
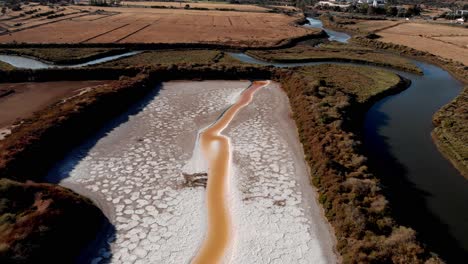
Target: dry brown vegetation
column 208, row 5
column 36, row 219
column 335, row 52
column 5, row 66
column 449, row 42
column 148, row 25
column 350, row 194
column 451, row 131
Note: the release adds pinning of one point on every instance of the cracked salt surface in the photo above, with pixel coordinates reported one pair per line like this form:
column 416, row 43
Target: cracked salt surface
column 135, row 174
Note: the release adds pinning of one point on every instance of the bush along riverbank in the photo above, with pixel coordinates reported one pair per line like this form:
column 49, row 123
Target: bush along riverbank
column 326, row 104
column 350, row 194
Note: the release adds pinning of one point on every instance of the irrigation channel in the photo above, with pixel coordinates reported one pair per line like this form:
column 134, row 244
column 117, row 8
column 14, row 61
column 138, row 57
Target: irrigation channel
column 35, row 64
column 426, row 192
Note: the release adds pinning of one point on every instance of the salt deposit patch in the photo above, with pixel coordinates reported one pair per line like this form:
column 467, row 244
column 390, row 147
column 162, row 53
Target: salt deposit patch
column 137, row 170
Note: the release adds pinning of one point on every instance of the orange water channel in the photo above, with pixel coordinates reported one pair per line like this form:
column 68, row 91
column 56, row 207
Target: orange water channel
column 216, row 150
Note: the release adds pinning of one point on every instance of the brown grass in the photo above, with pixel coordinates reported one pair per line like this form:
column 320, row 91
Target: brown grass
column 148, row 25
column 449, row 42
column 350, row 194
column 451, row 131
column 167, row 57
column 211, row 6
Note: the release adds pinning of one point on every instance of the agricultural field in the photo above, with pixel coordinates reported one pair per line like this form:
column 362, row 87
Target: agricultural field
column 448, row 42
column 209, row 5
column 35, row 15
column 148, row 25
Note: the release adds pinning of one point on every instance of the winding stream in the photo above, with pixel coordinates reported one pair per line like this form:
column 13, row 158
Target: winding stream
column 216, row 150
column 34, row 64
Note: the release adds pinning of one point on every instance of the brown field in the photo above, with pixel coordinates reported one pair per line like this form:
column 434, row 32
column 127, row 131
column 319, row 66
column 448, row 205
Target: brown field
column 12, row 20
column 449, row 42
column 442, row 49
column 147, row 25
column 426, row 29
column 212, row 5
column 26, row 98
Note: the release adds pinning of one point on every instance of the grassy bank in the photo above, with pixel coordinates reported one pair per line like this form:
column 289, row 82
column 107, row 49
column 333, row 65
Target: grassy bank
column 451, row 131
column 335, row 52
column 64, row 55
column 325, row 106
column 36, row 219
column 168, row 57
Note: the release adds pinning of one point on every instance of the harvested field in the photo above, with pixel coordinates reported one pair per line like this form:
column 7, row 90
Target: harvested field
column 444, row 50
column 209, row 5
column 27, row 98
column 146, row 25
column 335, row 52
column 41, row 15
column 427, row 29
column 448, row 42
column 451, row 131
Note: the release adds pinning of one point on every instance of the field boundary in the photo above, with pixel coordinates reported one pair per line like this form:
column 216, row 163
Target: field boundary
column 133, row 33
column 102, row 34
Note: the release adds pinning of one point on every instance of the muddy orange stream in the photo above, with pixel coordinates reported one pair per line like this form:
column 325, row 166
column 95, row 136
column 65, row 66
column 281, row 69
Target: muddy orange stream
column 216, row 150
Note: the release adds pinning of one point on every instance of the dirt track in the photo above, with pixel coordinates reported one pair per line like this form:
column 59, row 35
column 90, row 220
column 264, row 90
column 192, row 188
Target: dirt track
column 448, row 42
